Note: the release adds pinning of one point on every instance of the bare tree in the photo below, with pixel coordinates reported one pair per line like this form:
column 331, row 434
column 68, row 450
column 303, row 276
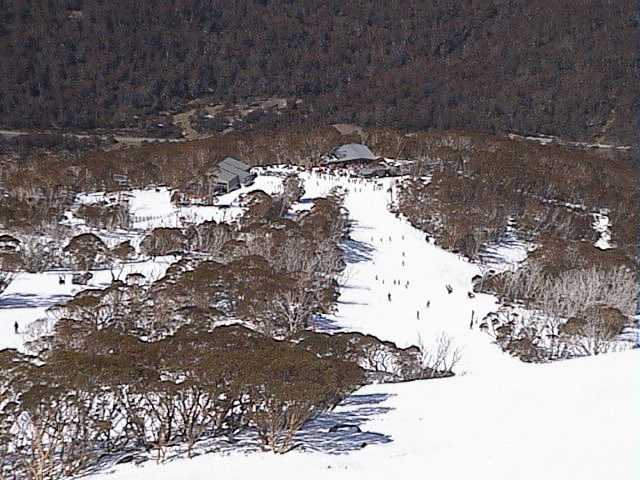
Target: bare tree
column 439, row 358
column 6, row 278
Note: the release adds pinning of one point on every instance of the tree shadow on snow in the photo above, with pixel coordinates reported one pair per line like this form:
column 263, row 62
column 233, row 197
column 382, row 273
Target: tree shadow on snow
column 29, row 300
column 323, row 324
column 315, row 436
column 343, row 302
column 347, row 423
column 356, row 251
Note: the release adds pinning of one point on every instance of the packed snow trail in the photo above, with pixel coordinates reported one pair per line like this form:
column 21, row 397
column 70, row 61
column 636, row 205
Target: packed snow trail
column 396, row 282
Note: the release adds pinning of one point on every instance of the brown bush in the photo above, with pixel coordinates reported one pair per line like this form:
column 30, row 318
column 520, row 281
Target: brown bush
column 381, row 360
column 85, row 250
column 110, row 393
column 479, row 182
column 595, row 330
column 163, row 241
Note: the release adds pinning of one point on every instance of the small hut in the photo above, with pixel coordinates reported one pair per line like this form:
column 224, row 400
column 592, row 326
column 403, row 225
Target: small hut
column 236, row 167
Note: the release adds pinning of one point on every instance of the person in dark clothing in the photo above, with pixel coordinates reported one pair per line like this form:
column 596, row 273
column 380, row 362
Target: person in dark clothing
column 15, row 327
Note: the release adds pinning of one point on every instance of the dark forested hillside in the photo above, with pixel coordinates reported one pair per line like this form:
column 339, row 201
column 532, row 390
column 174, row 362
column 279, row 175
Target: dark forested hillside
column 562, row 67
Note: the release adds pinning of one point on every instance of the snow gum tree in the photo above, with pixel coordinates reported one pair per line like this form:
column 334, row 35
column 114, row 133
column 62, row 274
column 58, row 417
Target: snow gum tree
column 109, row 392
column 85, row 251
column 163, row 241
column 292, row 389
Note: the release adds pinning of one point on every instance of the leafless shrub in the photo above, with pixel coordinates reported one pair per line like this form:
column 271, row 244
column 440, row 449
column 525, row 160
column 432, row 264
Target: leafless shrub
column 6, row 277
column 576, row 312
column 106, row 216
column 40, row 254
column 209, row 237
column 580, row 290
column 440, row 357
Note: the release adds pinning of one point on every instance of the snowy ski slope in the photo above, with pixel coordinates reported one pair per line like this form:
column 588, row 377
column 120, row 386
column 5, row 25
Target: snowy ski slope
column 501, row 419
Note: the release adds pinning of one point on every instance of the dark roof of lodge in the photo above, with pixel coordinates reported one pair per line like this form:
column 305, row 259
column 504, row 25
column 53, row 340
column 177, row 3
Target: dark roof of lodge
column 8, row 238
column 350, row 152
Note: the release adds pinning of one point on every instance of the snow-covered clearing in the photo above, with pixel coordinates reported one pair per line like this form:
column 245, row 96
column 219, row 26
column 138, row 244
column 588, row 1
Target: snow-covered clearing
column 602, row 225
column 505, row 254
column 28, row 297
column 152, row 207
column 501, row 419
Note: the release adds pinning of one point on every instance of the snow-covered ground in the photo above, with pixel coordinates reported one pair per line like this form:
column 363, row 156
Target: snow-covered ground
column 385, row 249
column 152, row 207
column 576, row 419
column 505, row 254
column 28, row 297
column 501, row 419
column 602, row 225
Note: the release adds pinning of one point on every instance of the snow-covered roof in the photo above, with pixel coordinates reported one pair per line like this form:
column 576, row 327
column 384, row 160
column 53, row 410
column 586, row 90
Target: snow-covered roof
column 235, row 167
column 8, row 239
column 349, row 152
column 234, row 163
column 225, row 176
column 235, row 171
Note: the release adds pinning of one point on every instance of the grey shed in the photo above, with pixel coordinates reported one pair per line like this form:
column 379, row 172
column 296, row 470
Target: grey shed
column 226, row 181
column 236, row 167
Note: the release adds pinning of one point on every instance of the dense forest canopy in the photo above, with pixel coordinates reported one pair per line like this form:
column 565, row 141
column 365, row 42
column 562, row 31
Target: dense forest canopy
column 562, row 67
